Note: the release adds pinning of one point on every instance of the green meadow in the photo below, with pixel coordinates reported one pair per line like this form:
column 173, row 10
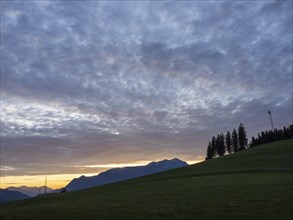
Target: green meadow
column 253, row 184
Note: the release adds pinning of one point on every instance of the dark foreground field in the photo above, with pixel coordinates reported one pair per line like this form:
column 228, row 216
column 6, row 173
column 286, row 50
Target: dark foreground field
column 253, row 184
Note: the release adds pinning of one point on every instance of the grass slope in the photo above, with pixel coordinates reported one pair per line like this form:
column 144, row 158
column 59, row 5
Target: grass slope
column 252, row 184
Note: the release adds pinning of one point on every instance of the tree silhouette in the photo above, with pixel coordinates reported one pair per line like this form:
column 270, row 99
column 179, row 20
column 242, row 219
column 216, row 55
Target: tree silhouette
column 220, row 143
column 234, row 140
column 214, row 147
column 209, row 152
column 242, row 140
column 228, row 142
column 237, row 141
column 271, row 136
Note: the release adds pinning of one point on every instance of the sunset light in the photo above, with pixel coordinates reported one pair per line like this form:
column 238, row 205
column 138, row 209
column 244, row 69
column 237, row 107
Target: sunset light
column 150, row 109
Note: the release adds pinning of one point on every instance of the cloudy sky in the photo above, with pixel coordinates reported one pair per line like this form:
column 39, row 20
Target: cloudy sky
column 85, row 84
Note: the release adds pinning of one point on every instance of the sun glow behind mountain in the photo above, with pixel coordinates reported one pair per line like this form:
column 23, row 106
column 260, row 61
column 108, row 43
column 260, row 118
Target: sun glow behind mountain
column 116, row 165
column 57, row 181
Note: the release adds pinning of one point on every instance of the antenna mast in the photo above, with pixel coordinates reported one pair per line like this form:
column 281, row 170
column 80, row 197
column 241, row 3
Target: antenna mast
column 272, row 124
column 271, row 119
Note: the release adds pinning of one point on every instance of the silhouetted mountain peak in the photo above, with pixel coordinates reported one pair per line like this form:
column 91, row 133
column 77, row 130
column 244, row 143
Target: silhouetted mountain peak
column 169, row 163
column 177, row 160
column 119, row 174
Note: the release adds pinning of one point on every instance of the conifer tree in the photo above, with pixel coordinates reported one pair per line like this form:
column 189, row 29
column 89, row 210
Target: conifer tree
column 228, row 142
column 242, row 140
column 234, row 140
column 220, row 143
column 209, row 152
column 214, row 147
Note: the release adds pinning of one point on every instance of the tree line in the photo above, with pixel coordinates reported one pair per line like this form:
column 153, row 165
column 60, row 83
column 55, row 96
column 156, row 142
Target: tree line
column 236, row 140
column 269, row 136
column 227, row 143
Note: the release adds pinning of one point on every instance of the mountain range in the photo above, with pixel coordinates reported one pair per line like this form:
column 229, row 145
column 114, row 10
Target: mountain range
column 30, row 191
column 109, row 176
column 119, row 174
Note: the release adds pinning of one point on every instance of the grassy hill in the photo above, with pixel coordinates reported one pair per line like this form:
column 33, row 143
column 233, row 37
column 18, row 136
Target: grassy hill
column 253, row 184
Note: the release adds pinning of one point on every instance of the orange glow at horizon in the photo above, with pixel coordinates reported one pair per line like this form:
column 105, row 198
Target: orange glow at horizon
column 142, row 163
column 57, row 181
column 54, row 181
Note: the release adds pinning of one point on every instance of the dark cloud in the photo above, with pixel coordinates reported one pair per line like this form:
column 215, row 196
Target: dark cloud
column 116, row 82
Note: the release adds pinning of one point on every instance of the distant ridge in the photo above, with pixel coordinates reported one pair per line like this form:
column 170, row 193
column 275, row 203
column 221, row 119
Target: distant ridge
column 31, row 191
column 119, row 174
column 8, row 195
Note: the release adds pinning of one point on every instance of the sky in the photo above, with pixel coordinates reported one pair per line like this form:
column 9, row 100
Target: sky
column 89, row 85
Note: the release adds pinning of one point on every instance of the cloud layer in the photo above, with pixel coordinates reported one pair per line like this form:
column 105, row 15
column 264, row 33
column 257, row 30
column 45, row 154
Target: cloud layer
column 118, row 82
